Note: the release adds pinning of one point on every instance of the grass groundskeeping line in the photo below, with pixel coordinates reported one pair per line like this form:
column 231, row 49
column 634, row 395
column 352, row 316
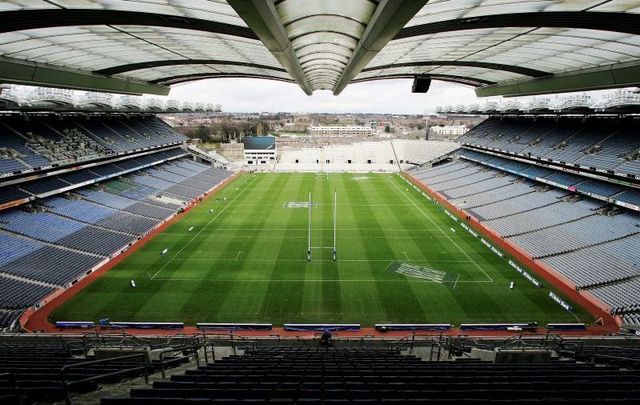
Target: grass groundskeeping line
column 242, row 257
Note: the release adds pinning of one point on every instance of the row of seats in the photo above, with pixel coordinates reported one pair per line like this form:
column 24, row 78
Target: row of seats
column 19, row 294
column 44, row 142
column 600, row 143
column 58, row 239
column 30, row 371
column 51, row 184
column 577, row 183
column 337, row 376
column 593, row 244
column 9, row 319
column 623, row 296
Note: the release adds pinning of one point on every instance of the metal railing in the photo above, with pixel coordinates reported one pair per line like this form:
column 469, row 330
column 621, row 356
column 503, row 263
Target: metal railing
column 188, row 351
column 94, row 378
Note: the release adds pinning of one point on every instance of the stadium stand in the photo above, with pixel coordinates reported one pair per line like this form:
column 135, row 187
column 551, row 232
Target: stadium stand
column 598, row 143
column 35, row 144
column 378, row 375
column 369, row 156
column 585, row 239
column 9, row 319
column 20, row 294
column 32, row 371
column 67, row 224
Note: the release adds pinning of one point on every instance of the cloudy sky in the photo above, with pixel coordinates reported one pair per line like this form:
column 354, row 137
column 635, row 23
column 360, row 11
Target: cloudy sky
column 385, row 96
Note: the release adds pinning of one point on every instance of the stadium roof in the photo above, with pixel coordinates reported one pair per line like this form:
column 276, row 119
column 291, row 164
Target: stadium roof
column 502, row 47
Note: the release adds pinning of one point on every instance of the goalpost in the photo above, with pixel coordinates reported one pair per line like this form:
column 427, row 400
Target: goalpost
column 309, row 245
column 335, row 216
column 334, row 249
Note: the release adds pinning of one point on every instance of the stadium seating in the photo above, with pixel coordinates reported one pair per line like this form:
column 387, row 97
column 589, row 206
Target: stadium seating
column 373, row 376
column 623, row 296
column 632, row 319
column 38, row 225
column 53, row 265
column 20, row 294
column 27, row 145
column 597, row 143
column 591, row 187
column 30, row 371
column 54, row 241
column 387, row 156
column 9, row 319
column 14, row 247
column 584, row 239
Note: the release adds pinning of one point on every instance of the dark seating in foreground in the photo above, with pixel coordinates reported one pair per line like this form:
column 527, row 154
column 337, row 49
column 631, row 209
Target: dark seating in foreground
column 372, row 376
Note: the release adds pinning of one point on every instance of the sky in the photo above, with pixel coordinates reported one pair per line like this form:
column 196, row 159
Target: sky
column 383, row 96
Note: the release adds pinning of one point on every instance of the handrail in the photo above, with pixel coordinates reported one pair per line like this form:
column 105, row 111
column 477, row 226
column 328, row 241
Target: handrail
column 612, row 357
column 10, row 378
column 66, row 385
column 193, row 348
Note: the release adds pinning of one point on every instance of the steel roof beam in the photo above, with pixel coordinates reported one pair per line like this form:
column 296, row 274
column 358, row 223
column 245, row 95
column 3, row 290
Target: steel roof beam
column 606, row 77
column 33, row 19
column 628, row 23
column 263, row 19
column 198, row 76
column 181, row 62
column 38, row 74
column 387, row 20
column 485, row 65
column 613, row 76
column 468, row 81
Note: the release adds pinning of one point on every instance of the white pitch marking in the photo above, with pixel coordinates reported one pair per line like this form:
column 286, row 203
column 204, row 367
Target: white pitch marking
column 200, row 231
column 238, row 255
column 443, row 232
column 197, row 259
column 456, row 282
column 320, row 280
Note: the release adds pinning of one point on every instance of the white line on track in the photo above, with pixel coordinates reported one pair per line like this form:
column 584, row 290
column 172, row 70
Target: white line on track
column 203, row 228
column 438, row 226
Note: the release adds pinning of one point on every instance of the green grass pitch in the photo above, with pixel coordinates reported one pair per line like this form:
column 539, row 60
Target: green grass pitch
column 245, row 260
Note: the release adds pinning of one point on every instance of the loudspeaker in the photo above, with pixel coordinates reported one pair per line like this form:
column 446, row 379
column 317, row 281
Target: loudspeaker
column 421, row 84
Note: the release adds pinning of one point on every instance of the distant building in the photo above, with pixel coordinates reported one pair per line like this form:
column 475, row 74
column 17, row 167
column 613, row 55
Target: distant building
column 341, row 131
column 448, row 130
column 259, row 150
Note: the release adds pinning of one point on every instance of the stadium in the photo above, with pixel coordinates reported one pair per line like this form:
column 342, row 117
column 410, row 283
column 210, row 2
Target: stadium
column 138, row 265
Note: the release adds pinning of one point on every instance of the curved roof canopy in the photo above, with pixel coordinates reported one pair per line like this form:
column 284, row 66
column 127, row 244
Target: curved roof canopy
column 508, row 47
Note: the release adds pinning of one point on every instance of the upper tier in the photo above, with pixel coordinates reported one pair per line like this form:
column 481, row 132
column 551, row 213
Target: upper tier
column 597, row 143
column 40, row 143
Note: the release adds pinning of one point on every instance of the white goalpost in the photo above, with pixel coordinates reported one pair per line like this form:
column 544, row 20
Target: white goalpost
column 334, row 249
column 335, row 220
column 309, row 245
